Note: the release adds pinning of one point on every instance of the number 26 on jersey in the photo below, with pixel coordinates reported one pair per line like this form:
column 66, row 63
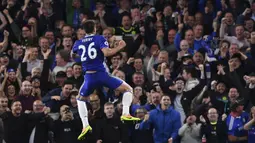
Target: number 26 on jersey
column 92, row 52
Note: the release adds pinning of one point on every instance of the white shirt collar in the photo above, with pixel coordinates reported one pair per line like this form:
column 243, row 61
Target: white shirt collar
column 88, row 35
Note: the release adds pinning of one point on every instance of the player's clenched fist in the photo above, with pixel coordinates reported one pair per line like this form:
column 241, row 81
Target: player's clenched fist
column 122, row 44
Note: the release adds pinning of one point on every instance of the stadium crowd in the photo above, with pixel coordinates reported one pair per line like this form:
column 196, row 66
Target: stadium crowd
column 191, row 64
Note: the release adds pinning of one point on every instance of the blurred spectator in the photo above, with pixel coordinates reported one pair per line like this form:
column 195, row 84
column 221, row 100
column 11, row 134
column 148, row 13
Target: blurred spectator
column 80, row 33
column 108, row 33
column 27, row 97
column 11, row 77
column 105, row 18
column 235, row 122
column 66, row 129
column 15, row 122
column 239, row 39
column 96, row 113
column 138, row 135
column 66, row 30
column 214, row 130
column 134, row 64
column 36, row 91
column 179, row 83
column 77, row 77
column 73, row 103
column 110, row 129
column 69, row 72
column 138, row 79
column 44, row 48
column 58, row 97
column 4, row 103
column 30, row 59
column 67, row 43
column 62, row 61
column 193, row 88
column 154, row 100
column 40, row 130
column 60, row 79
column 115, row 61
column 190, row 130
column 189, row 74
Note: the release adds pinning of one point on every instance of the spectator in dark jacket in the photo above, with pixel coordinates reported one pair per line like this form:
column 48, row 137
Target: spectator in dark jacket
column 111, row 129
column 66, row 129
column 137, row 135
column 58, row 97
column 40, row 130
column 15, row 123
column 214, row 130
column 77, row 77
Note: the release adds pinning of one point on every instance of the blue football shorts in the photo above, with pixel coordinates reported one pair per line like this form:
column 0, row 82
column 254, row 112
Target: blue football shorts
column 96, row 80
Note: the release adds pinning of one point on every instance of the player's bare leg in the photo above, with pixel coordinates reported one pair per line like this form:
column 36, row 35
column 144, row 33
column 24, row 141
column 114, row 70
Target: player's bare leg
column 127, row 99
column 83, row 112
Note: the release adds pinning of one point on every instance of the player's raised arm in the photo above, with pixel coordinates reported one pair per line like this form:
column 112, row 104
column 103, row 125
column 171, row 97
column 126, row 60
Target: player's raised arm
column 74, row 50
column 112, row 51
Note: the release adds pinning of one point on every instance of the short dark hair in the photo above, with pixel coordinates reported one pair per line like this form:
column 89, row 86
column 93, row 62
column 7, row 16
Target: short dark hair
column 48, row 30
column 117, row 54
column 225, row 41
column 167, row 5
column 190, row 70
column 76, row 64
column 68, row 82
column 156, row 43
column 248, row 19
column 138, row 73
column 126, row 15
column 89, row 26
column 180, row 78
column 138, row 57
column 237, row 55
column 237, row 103
column 15, row 101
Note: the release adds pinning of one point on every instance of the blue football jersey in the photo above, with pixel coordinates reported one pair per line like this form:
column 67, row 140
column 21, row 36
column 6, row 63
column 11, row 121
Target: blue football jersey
column 90, row 51
column 236, row 124
column 251, row 134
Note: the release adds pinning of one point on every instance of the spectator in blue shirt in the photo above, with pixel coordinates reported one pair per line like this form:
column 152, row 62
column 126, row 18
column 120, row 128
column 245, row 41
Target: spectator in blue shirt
column 235, row 122
column 165, row 121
